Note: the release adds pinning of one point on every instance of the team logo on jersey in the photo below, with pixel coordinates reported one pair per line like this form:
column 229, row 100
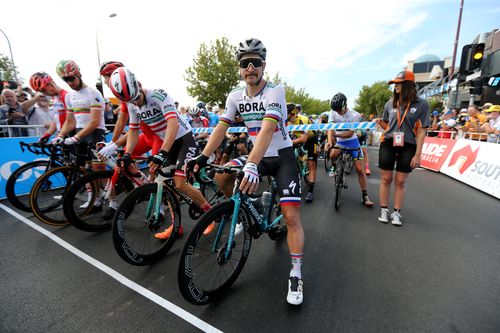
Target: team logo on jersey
column 248, row 107
column 148, row 114
column 413, row 110
column 159, row 94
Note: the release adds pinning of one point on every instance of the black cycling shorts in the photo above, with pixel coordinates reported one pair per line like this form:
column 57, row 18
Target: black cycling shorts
column 284, row 168
column 184, row 148
column 311, row 146
column 390, row 156
column 98, row 135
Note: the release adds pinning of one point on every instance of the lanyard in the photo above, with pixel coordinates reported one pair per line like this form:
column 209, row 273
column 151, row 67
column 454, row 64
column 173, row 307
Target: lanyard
column 400, row 121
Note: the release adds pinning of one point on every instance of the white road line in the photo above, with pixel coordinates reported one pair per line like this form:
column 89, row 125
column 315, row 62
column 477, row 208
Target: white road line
column 181, row 313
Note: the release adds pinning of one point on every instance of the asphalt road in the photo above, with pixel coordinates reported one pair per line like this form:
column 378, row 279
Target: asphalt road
column 440, row 272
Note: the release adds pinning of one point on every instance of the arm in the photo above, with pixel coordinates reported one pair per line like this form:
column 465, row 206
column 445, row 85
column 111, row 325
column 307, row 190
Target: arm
column 119, row 126
column 132, row 137
column 301, row 139
column 68, row 125
column 215, row 139
column 172, row 127
column 415, row 161
column 29, row 104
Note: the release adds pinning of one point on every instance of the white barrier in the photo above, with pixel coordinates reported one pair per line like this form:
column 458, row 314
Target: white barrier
column 309, row 127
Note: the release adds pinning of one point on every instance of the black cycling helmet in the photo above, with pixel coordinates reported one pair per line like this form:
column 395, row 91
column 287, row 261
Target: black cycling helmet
column 338, row 102
column 290, row 107
column 251, row 46
column 298, row 107
column 201, row 105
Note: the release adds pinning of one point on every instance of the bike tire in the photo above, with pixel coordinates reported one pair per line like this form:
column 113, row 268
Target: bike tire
column 339, row 183
column 204, row 274
column 56, row 183
column 18, row 191
column 77, row 194
column 133, row 233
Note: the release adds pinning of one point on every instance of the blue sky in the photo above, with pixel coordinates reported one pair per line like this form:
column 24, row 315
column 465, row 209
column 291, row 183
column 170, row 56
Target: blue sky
column 435, row 35
column 322, row 46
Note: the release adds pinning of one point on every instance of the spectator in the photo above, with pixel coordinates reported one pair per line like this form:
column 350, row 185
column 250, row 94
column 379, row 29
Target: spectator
column 447, row 125
column 492, row 126
column 213, row 117
column 14, row 113
column 39, row 115
column 476, row 120
column 109, row 117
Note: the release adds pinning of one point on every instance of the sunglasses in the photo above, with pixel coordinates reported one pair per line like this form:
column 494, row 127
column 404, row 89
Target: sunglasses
column 69, row 78
column 256, row 62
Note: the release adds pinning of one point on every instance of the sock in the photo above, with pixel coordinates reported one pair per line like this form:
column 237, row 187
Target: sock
column 89, row 195
column 311, row 187
column 206, row 207
column 397, row 210
column 113, row 204
column 296, row 264
column 384, row 207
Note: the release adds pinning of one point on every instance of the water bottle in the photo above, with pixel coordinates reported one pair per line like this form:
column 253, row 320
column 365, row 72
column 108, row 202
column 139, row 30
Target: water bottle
column 266, row 202
column 257, row 204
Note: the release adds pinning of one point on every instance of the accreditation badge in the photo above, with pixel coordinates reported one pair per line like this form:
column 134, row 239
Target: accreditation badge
column 398, row 139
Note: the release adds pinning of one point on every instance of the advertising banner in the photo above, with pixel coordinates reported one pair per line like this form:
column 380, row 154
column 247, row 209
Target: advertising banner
column 476, row 164
column 434, row 152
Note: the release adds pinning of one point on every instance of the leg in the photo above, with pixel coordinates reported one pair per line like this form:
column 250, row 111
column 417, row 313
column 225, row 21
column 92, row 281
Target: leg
column 367, row 161
column 399, row 193
column 385, row 187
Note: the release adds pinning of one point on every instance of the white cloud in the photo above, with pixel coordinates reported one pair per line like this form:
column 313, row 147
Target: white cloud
column 158, row 40
column 414, row 53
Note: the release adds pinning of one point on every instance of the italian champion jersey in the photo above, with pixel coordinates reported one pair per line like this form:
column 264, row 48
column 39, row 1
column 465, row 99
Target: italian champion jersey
column 80, row 102
column 58, row 109
column 268, row 104
column 157, row 109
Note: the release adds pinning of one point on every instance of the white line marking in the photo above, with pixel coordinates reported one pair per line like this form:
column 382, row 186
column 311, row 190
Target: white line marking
column 181, row 313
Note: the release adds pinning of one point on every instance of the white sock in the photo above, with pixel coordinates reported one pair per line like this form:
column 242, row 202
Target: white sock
column 296, row 264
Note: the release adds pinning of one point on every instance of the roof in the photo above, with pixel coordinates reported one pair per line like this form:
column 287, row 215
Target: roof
column 427, row 58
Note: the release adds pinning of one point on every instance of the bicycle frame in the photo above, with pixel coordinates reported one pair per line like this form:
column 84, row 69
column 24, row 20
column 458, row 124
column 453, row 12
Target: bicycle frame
column 243, row 199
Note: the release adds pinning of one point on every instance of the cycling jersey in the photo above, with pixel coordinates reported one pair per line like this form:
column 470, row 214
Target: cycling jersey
column 199, row 122
column 302, row 120
column 58, row 109
column 144, row 128
column 158, row 108
column 80, row 102
column 268, row 104
column 350, row 116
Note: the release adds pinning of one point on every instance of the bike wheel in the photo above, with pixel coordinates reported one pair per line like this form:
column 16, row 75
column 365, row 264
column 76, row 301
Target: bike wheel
column 206, row 270
column 327, row 162
column 48, row 192
column 134, row 226
column 21, row 182
column 349, row 166
column 85, row 199
column 339, row 183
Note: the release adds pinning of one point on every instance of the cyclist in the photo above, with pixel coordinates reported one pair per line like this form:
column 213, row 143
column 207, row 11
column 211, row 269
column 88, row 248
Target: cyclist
column 43, row 83
column 347, row 139
column 235, row 141
column 309, row 140
column 198, row 121
column 156, row 108
column 202, row 106
column 262, row 105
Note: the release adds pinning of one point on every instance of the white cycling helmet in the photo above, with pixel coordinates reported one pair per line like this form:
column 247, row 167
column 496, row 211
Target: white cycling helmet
column 124, row 85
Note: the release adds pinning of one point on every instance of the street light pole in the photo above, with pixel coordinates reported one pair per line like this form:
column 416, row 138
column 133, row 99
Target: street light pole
column 97, row 39
column 11, row 57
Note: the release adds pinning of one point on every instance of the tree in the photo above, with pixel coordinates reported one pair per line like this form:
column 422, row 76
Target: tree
column 309, row 104
column 214, row 72
column 7, row 69
column 371, row 99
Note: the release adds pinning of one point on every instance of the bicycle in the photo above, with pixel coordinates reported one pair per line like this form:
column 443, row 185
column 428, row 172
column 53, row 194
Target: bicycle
column 343, row 162
column 21, row 181
column 210, row 264
column 47, row 194
column 301, row 158
column 97, row 187
column 150, row 208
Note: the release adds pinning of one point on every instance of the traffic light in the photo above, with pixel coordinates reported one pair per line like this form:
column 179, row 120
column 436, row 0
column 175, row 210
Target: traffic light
column 477, row 56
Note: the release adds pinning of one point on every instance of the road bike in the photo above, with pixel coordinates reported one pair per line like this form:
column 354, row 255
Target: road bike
column 344, row 162
column 21, row 181
column 151, row 208
column 210, row 264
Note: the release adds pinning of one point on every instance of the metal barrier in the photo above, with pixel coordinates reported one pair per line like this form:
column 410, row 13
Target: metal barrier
column 465, row 135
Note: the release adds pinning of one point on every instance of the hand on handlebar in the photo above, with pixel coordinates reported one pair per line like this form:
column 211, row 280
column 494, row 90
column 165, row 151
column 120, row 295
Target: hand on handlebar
column 57, row 140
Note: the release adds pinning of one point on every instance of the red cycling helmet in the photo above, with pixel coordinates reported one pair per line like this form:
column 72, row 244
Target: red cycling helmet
column 123, row 85
column 108, row 67
column 40, row 80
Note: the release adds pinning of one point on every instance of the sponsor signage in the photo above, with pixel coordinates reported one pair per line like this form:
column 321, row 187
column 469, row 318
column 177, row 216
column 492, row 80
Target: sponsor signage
column 476, row 164
column 434, row 152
